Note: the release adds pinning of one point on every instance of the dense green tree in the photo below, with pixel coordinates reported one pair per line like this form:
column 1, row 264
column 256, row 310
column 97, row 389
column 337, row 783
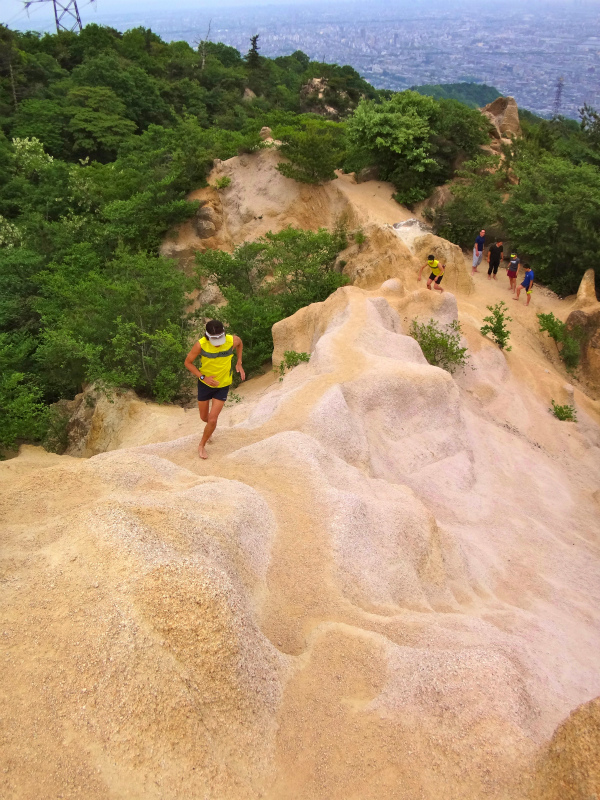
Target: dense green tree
column 138, row 91
column 97, row 123
column 314, row 151
column 553, row 216
column 253, row 58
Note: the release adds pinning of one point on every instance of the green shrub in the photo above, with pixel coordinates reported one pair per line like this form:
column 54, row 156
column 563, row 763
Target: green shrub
column 570, row 342
column 314, row 151
column 223, row 183
column 291, row 359
column 564, row 413
column 22, row 412
column 56, row 438
column 359, row 237
column 496, row 325
column 268, row 280
column 440, row 347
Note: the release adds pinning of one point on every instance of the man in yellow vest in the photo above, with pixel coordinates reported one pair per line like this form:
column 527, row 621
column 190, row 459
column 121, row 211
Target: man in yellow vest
column 217, row 351
column 437, row 273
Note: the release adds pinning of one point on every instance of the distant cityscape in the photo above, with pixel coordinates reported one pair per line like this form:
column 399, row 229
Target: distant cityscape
column 521, row 50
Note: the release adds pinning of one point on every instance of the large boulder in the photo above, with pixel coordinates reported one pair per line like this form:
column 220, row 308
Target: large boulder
column 586, row 294
column 503, row 113
column 586, row 317
column 207, row 221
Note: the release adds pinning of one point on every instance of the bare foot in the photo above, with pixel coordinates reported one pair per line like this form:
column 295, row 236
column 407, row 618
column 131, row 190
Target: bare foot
column 201, row 451
column 495, row 278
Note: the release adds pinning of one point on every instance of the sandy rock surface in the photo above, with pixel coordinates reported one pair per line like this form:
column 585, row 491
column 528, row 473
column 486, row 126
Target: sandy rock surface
column 503, row 113
column 384, row 581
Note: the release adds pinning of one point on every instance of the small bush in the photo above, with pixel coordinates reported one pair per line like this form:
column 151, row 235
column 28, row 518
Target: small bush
column 570, row 342
column 440, row 347
column 233, row 398
column 56, row 438
column 359, row 237
column 223, row 183
column 496, row 325
column 291, row 359
column 564, row 413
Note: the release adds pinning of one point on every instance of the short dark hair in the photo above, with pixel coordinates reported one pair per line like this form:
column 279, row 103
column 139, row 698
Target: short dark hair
column 214, row 327
column 430, row 258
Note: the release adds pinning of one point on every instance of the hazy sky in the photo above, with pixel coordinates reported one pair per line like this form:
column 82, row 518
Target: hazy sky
column 12, row 14
column 41, row 15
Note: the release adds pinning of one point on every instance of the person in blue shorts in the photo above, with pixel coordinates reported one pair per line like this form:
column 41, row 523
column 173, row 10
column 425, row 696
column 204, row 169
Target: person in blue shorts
column 527, row 284
column 217, row 351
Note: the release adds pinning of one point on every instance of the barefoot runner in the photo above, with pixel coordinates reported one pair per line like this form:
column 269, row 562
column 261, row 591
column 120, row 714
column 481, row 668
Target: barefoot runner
column 217, row 351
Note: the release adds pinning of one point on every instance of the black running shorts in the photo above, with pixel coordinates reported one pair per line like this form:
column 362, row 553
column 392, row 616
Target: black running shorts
column 436, row 278
column 212, row 392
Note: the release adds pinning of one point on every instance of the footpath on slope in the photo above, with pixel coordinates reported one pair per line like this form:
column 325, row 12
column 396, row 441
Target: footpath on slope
column 383, row 582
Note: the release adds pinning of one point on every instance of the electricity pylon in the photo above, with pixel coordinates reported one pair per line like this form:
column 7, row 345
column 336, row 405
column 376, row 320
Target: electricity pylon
column 66, row 13
column 558, row 96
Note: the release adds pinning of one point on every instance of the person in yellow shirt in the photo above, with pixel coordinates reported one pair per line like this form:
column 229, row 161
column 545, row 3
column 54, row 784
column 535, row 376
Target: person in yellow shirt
column 437, row 273
column 217, row 351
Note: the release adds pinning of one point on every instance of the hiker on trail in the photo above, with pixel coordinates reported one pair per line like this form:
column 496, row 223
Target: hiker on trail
column 478, row 251
column 437, row 273
column 527, row 284
column 494, row 259
column 513, row 271
column 217, row 351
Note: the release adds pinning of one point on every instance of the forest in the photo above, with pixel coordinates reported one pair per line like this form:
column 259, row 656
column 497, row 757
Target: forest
column 102, row 136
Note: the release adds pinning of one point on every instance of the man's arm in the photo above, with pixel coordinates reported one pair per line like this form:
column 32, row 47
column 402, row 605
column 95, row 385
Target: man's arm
column 421, row 271
column 189, row 365
column 239, row 346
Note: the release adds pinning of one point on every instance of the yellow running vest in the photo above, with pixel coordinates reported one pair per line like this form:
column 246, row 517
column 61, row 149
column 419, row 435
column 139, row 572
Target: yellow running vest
column 217, row 361
column 435, row 269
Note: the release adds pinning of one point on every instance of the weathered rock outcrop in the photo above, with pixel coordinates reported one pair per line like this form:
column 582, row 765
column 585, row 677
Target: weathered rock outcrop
column 383, row 576
column 586, row 317
column 503, row 113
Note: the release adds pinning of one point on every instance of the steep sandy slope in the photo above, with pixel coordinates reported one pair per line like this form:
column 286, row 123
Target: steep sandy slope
column 383, row 583
column 260, row 199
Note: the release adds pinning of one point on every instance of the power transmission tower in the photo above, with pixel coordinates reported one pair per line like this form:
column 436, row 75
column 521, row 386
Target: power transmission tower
column 558, row 96
column 66, row 13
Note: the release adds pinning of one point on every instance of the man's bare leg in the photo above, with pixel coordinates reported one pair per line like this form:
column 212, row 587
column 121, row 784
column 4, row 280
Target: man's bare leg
column 213, row 415
column 437, row 287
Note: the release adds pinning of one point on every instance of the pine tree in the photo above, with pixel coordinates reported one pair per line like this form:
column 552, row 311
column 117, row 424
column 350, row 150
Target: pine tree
column 252, row 56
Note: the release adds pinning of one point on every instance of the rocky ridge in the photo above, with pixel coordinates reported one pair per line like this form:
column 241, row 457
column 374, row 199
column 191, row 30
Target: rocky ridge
column 383, row 582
